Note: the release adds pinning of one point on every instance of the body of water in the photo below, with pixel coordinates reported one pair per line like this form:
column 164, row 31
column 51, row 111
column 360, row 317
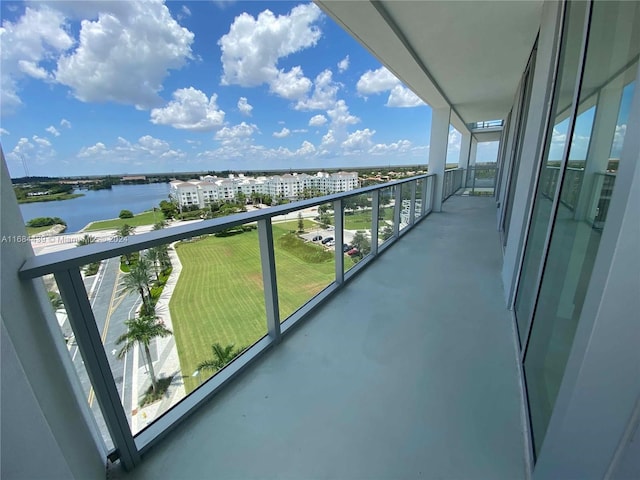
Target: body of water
column 99, row 204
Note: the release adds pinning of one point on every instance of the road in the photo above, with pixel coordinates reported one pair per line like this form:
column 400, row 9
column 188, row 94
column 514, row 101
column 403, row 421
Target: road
column 112, row 305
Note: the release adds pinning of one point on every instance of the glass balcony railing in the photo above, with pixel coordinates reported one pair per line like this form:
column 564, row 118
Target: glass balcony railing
column 486, row 124
column 481, row 180
column 452, row 182
column 157, row 323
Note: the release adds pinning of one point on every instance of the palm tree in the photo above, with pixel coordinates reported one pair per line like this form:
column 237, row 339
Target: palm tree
column 222, row 356
column 55, row 299
column 160, row 225
column 138, row 279
column 153, row 255
column 124, row 231
column 86, row 240
column 142, row 330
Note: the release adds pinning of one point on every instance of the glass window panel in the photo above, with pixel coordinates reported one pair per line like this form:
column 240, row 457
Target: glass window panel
column 556, row 141
column 305, row 260
column 611, row 65
column 357, row 229
column 385, row 215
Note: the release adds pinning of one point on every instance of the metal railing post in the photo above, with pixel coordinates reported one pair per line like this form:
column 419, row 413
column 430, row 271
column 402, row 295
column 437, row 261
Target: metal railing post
column 87, row 335
column 339, row 240
column 396, row 211
column 426, row 185
column 269, row 277
column 375, row 221
column 412, row 208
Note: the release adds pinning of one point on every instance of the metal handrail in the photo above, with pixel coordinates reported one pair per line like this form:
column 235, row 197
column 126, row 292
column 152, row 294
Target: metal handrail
column 40, row 265
column 65, row 266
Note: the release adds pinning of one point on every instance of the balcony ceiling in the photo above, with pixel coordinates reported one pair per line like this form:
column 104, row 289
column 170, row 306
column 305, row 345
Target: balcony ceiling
column 470, row 54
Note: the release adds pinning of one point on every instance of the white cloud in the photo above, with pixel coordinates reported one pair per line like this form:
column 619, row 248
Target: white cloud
column 376, row 81
column 317, row 121
column 38, row 36
column 618, row 140
column 4, row 132
column 190, row 109
column 147, row 150
column 382, row 80
column 184, row 12
column 125, row 54
column 340, row 116
column 307, row 148
column 33, row 70
column 403, row 97
column 92, row 151
column 237, row 134
column 453, row 146
column 290, row 85
column 53, row 131
column 343, row 64
column 65, row 123
column 359, row 141
column 244, row 106
column 43, row 142
column 324, row 93
column 253, row 46
column 401, row 146
column 285, row 132
column 36, row 151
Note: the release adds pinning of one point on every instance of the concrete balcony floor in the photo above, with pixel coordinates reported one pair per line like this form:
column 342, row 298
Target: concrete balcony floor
column 409, row 372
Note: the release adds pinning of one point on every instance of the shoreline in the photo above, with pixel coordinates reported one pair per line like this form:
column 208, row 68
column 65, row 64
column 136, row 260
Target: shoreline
column 45, row 198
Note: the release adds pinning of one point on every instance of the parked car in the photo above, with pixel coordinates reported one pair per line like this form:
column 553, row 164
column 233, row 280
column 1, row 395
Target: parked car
column 327, row 240
column 346, row 247
column 331, row 243
column 353, row 251
column 317, row 238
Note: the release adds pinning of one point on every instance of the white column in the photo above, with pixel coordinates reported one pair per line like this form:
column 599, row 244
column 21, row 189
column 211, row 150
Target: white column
column 472, row 152
column 47, row 427
column 440, row 118
column 465, row 151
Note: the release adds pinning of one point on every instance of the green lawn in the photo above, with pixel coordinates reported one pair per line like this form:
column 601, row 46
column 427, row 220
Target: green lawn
column 37, row 230
column 219, row 297
column 144, row 218
column 361, row 220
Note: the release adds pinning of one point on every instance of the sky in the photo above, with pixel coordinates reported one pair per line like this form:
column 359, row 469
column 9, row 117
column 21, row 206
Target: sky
column 105, row 87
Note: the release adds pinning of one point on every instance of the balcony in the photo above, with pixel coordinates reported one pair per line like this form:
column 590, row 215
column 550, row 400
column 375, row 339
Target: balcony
column 408, row 371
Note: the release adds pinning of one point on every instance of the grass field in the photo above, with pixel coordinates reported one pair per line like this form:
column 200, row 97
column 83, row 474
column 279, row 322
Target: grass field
column 362, row 220
column 37, row 230
column 219, row 297
column 144, row 218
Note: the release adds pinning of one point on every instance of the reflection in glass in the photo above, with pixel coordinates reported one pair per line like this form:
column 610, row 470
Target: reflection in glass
column 556, row 142
column 605, row 97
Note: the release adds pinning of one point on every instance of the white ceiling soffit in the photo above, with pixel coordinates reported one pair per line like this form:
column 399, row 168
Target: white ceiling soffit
column 470, row 54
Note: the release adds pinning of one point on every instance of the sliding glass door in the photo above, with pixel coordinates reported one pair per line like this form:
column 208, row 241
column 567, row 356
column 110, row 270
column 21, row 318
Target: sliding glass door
column 595, row 86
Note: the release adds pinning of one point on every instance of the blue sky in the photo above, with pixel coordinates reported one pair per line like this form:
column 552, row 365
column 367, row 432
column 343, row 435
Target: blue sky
column 131, row 87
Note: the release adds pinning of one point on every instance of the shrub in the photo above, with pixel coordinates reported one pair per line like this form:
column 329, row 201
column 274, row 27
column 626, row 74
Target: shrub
column 126, row 214
column 45, row 222
column 92, row 269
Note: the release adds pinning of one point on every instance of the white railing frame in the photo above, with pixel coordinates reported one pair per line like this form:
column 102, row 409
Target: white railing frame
column 65, row 266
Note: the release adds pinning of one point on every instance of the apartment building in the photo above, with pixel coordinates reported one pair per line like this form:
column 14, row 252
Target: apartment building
column 210, row 188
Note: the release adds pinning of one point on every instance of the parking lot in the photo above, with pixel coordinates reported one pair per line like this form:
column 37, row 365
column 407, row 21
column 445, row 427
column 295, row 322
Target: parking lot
column 327, row 232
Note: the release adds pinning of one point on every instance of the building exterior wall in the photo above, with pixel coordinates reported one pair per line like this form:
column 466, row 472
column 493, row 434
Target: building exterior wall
column 210, row 188
column 47, row 429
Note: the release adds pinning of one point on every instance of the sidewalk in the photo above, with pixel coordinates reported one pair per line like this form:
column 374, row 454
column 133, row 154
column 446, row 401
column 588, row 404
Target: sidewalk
column 166, row 362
